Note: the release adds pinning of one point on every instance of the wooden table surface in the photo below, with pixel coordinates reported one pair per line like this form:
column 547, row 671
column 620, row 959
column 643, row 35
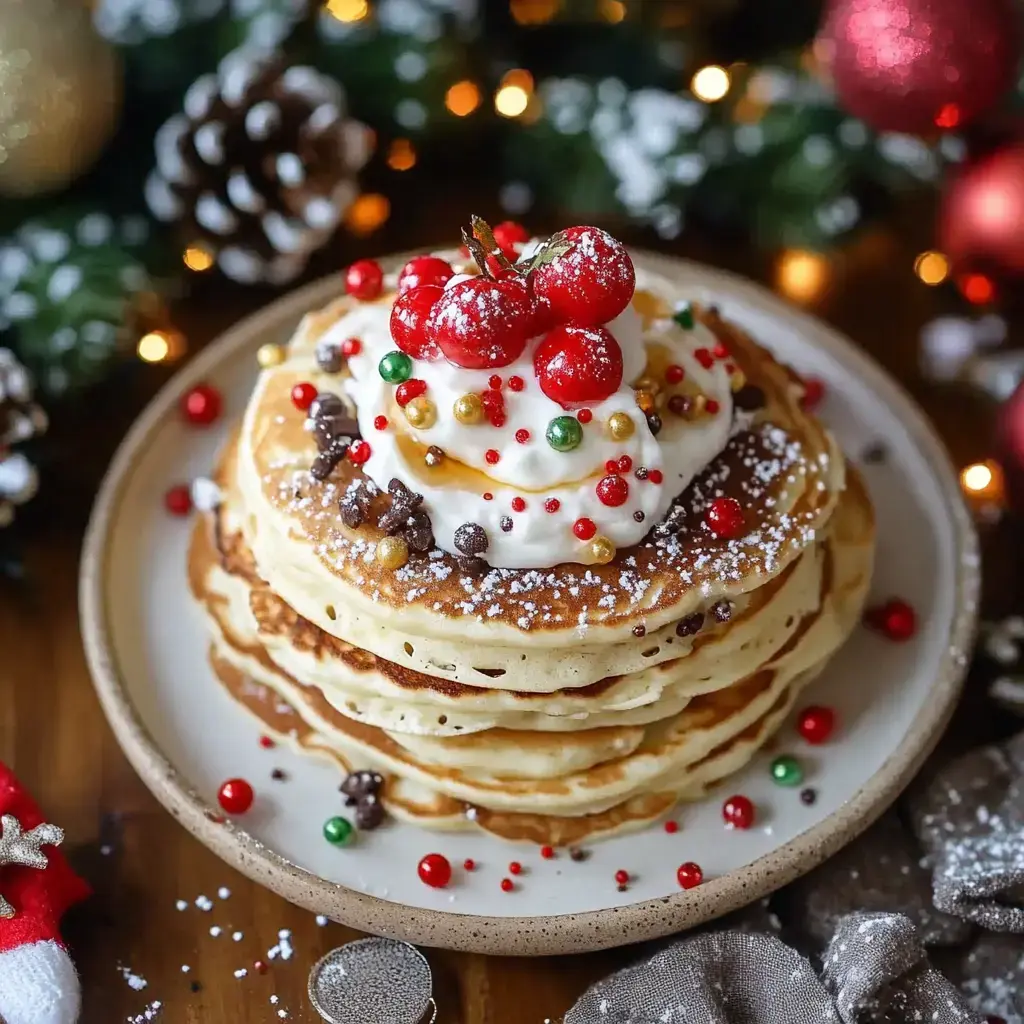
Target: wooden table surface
column 141, row 862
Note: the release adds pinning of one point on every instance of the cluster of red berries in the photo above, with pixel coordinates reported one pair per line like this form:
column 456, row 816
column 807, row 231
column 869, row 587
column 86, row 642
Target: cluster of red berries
column 485, row 322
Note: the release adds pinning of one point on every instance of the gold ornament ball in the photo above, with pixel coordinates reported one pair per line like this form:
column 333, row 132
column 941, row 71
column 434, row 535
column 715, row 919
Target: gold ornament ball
column 421, row 413
column 645, row 400
column 468, row 409
column 60, row 94
column 602, row 550
column 620, row 426
column 270, row 355
column 392, row 552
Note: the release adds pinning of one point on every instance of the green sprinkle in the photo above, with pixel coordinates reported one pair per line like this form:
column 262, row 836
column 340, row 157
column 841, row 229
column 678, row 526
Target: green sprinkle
column 338, row 831
column 787, row 771
column 684, row 316
column 564, row 433
column 395, row 367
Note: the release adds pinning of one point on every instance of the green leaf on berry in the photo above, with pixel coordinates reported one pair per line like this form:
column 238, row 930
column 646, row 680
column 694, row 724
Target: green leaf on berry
column 557, row 245
column 477, row 251
column 482, row 231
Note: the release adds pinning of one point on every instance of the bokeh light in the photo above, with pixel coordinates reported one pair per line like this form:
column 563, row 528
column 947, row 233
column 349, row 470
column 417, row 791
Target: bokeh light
column 197, row 258
column 976, row 477
column 976, row 288
column 160, row 346
column 367, row 213
column 533, row 12
column 932, row 267
column 462, row 98
column 347, row 10
column 710, row 83
column 612, row 10
column 401, row 155
column 802, row 276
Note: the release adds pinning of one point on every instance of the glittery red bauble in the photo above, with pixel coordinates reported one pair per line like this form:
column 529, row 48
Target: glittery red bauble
column 917, row 65
column 738, row 811
column 235, row 796
column 981, row 220
column 435, row 871
column 816, row 723
column 201, row 405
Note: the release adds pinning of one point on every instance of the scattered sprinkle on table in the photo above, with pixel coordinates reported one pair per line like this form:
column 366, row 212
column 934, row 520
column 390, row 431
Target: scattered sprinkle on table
column 321, row 920
column 135, row 981
column 237, row 936
column 223, row 893
column 204, row 903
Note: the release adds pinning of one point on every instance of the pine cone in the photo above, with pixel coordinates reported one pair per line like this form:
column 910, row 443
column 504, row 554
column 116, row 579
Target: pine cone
column 259, row 168
column 20, row 419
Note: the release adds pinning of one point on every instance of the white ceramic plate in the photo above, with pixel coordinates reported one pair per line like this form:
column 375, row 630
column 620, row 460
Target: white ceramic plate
column 147, row 648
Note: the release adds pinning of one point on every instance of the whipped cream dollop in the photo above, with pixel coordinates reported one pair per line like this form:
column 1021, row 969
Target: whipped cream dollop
column 527, row 495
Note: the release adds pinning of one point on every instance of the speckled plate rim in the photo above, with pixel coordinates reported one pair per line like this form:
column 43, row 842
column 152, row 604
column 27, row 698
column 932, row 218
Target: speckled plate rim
column 568, row 933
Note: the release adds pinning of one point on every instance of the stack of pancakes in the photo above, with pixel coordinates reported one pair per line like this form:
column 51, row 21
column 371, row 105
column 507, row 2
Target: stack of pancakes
column 549, row 704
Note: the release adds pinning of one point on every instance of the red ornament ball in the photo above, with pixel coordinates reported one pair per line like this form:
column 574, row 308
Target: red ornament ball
column 303, row 395
column 917, row 65
column 364, row 280
column 508, row 234
column 816, row 724
column 584, row 528
column 201, row 405
column 178, row 500
column 421, row 270
column 482, row 324
column 235, row 796
column 981, row 219
column 410, row 389
column 895, row 619
column 578, row 365
column 689, row 875
column 612, row 491
column 738, row 811
column 724, row 518
column 434, row 870
column 590, row 284
column 409, row 317
column 359, row 452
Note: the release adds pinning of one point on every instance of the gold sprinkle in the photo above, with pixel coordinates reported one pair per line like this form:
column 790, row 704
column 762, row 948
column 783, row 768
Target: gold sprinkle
column 620, row 426
column 645, row 400
column 468, row 409
column 392, row 552
column 421, row 413
column 738, row 380
column 602, row 550
column 270, row 355
column 434, row 456
column 647, row 384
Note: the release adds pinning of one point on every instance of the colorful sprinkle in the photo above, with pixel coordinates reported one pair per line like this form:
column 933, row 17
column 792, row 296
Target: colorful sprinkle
column 689, row 875
column 584, row 528
column 516, row 383
column 621, row 426
column 506, row 524
column 787, row 771
column 684, row 317
column 895, row 619
column 518, row 504
column 507, row 885
column 584, row 416
column 267, row 742
column 494, row 382
column 704, row 357
column 492, row 456
column 395, row 367
column 410, row 389
column 178, row 500
column 738, row 812
column 674, row 374
column 359, row 452
column 671, row 827
column 351, row 347
column 564, row 433
column 612, row 491
column 515, row 868
column 338, row 831
column 523, row 436
column 816, row 724
column 469, row 864
column 235, row 796
column 380, row 423
column 552, row 505
column 655, row 476
column 622, row 877
column 434, row 870
column 303, row 395
column 547, row 852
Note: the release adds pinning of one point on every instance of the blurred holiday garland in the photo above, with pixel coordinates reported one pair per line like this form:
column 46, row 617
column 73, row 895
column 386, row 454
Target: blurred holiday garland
column 230, row 133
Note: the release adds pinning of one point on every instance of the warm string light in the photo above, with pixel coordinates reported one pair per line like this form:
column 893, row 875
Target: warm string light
column 976, row 288
column 802, row 276
column 197, row 258
column 533, row 12
column 160, row 346
column 984, row 486
column 347, row 10
column 931, row 267
column 710, row 83
column 462, row 98
column 612, row 10
column 367, row 213
column 514, row 93
column 401, row 155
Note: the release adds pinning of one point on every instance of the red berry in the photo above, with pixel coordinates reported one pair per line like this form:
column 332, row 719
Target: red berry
column 267, row 743
column 494, row 382
column 515, row 868
column 584, row 528
column 611, row 466
column 518, row 504
column 704, row 357
column 507, row 885
column 178, row 500
column 552, row 505
column 409, row 317
column 816, row 724
column 895, row 619
column 303, row 395
column 674, row 374
column 547, row 852
column 380, row 422
column 738, row 811
column 622, row 877
column 625, row 464
column 671, row 827
column 201, row 405
column 491, row 457
column 516, row 383
column 689, row 875
column 720, row 352
column 469, row 864
column 364, row 280
column 351, row 347
column 577, row 365
column 613, row 491
column 482, row 324
column 724, row 518
column 584, row 416
column 421, row 270
column 814, row 393
column 508, row 234
column 410, row 389
column 435, row 871
column 592, row 283
column 655, row 476
column 523, row 436
column 359, row 452
column 235, row 796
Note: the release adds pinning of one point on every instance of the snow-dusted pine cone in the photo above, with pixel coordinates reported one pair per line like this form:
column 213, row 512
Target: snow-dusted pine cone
column 20, row 419
column 260, row 167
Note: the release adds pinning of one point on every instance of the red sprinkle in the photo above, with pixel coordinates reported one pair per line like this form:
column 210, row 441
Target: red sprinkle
column 491, row 456
column 351, row 347
column 380, row 422
column 303, row 395
column 584, row 528
column 410, row 389
column 507, row 885
column 523, row 435
column 655, row 476
column 492, row 398
column 625, row 464
column 814, row 393
column 611, row 466
column 516, row 383
column 497, row 417
column 515, row 868
column 359, row 452
column 267, row 743
column 547, row 852
column 494, row 382
column 671, row 827
column 674, row 374
column 469, row 864
column 235, row 796
column 712, row 406
column 518, row 504
column 724, row 518
column 201, row 405
column 738, row 811
column 895, row 619
column 689, row 875
column 730, row 368
column 434, row 870
column 584, row 415
column 816, row 724
column 487, row 496
column 178, row 500
column 364, row 280
column 259, row 967
column 720, row 351
column 612, row 491
column 552, row 505
column 622, row 877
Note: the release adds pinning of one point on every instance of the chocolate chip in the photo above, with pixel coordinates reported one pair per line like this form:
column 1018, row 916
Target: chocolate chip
column 369, row 814
column 327, row 428
column 722, row 610
column 639, row 630
column 278, row 775
column 808, row 796
column 325, row 404
column 875, row 453
column 362, row 783
column 355, row 505
column 623, row 888
column 195, row 987
column 749, row 398
column 690, row 625
column 434, row 456
column 506, row 524
column 639, row 516
column 640, row 472
column 328, row 356
column 471, row 539
column 654, row 423
column 326, row 462
column 577, row 853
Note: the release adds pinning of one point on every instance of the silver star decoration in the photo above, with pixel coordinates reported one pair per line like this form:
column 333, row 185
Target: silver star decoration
column 17, row 847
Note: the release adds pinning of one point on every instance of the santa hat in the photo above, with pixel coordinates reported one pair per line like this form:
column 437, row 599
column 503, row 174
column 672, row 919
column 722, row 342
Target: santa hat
column 38, row 982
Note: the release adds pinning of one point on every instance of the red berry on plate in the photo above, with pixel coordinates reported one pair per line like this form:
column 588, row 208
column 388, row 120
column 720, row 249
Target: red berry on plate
column 689, row 875
column 622, row 877
column 671, row 827
column 435, row 871
column 178, row 500
column 351, row 347
column 584, row 528
column 515, row 868
column 590, row 284
column 409, row 317
column 547, row 852
column 359, row 452
column 814, row 394
column 201, row 405
column 816, row 724
column 895, row 619
column 508, row 234
column 738, row 811
column 410, row 389
column 364, row 280
column 421, row 270
column 507, row 885
column 724, row 518
column 235, row 796
column 577, row 365
column 482, row 324
column 612, row 491
column 469, row 864
column 303, row 395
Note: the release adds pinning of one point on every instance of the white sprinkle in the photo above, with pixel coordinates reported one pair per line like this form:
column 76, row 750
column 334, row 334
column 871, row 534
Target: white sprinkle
column 216, row 930
column 135, row 981
column 241, row 972
column 321, row 920
column 237, row 936
column 204, row 903
column 181, row 905
column 185, row 968
column 223, row 893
